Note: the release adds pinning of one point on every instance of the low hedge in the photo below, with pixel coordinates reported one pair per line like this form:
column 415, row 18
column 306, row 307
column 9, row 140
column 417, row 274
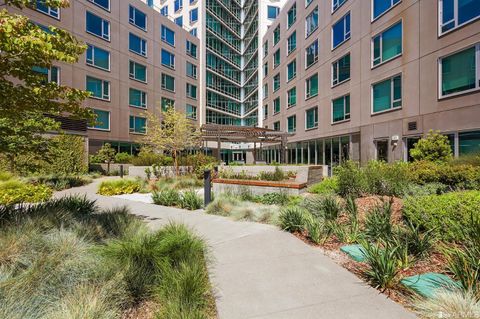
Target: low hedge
column 118, row 187
column 448, row 215
column 15, row 191
column 456, row 176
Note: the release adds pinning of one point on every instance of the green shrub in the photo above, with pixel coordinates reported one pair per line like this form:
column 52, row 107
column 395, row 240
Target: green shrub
column 462, row 176
column 277, row 175
column 5, row 176
column 118, row 187
column 293, row 219
column 328, row 185
column 123, row 158
column 15, row 191
column 280, row 198
column 60, row 182
column 425, row 189
column 383, row 265
column 445, row 215
column 183, row 182
column 166, row 197
column 386, row 179
column 199, row 163
column 467, row 159
column 434, row 147
column 351, row 180
column 190, row 200
column 326, row 208
column 378, row 224
column 146, row 157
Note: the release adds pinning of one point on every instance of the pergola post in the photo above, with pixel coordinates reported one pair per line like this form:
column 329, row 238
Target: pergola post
column 254, row 153
column 219, row 155
column 283, row 150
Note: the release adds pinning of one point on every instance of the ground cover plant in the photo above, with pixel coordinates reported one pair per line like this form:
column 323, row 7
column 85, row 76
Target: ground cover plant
column 277, row 175
column 14, row 190
column 119, row 186
column 67, row 258
column 187, row 199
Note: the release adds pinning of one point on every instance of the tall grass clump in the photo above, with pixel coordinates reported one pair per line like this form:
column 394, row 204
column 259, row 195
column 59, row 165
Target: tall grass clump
column 293, row 219
column 382, row 264
column 454, row 304
column 190, row 200
column 324, row 207
column 378, row 224
column 166, row 197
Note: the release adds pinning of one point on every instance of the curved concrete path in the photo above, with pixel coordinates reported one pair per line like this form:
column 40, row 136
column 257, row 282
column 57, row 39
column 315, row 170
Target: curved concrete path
column 259, row 271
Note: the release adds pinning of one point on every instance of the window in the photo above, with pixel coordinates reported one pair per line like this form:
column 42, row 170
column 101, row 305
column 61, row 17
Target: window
column 137, row 98
column 276, row 82
column 167, row 103
column 292, row 42
column 311, row 86
column 469, row 143
column 337, row 4
column 292, row 97
column 98, row 88
column 98, row 26
column 307, row 2
column 137, row 18
column 179, row 21
column 137, row 71
column 311, row 118
column 455, row 13
column 341, row 70
column 382, row 150
column 191, row 112
column 292, row 15
column 138, row 124
column 105, row 4
column 272, row 12
column 102, row 120
column 341, row 31
column 265, row 111
column 137, row 45
column 460, row 72
column 193, row 32
column 387, row 95
column 50, row 75
column 292, row 124
column 276, row 58
column 164, row 11
column 379, row 7
column 276, row 126
column 168, row 59
column 168, row 82
column 168, row 35
column 387, row 45
column 191, row 91
column 276, row 106
column 276, row 35
column 193, row 15
column 291, row 70
column 341, row 109
column 311, row 22
column 42, row 7
column 265, row 91
column 265, row 69
column 98, row 57
column 311, row 54
column 178, row 4
column 191, row 49
column 191, row 70
column 265, row 49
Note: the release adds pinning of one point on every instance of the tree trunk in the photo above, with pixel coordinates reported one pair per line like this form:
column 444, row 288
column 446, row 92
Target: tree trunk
column 11, row 159
column 175, row 158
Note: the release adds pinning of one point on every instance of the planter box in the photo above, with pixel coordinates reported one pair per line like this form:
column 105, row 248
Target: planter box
column 165, row 171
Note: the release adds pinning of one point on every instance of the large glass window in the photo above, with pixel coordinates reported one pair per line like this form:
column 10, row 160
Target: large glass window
column 276, row 82
column 311, row 86
column 460, row 71
column 168, row 35
column 387, row 45
column 276, row 35
column 292, row 15
column 102, row 120
column 272, row 12
column 42, row 7
column 379, row 7
column 341, row 70
column 167, row 103
column 164, row 10
column 311, row 54
column 97, row 26
column 98, row 88
column 469, row 143
column 168, row 59
column 292, row 124
column 337, row 3
column 98, row 57
column 193, row 15
column 168, row 82
column 137, row 44
column 179, row 21
column 387, row 95
column 137, row 71
column 191, row 112
column 265, row 111
column 137, row 98
column 105, row 4
column 341, row 109
column 137, row 18
column 191, row 91
column 311, row 22
column 276, row 58
column 291, row 70
column 292, row 97
column 455, row 13
column 265, row 91
column 341, row 31
column 276, row 105
column 50, row 74
column 191, row 70
column 177, row 5
column 311, row 118
column 265, row 48
column 292, row 42
column 265, row 69
column 191, row 49
column 276, row 126
column 138, row 124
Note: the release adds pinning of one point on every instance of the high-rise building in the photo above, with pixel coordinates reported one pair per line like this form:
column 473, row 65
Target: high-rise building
column 358, row 79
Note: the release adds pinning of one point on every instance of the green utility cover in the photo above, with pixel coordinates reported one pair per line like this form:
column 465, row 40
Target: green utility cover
column 356, row 252
column 426, row 284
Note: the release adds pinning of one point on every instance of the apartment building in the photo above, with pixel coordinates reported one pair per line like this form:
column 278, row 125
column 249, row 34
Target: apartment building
column 136, row 60
column 365, row 79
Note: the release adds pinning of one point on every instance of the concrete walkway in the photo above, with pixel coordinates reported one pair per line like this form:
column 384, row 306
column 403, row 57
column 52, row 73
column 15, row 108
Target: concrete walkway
column 259, row 271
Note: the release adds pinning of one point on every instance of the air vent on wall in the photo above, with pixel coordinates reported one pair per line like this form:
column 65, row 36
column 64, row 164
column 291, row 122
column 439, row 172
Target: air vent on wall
column 412, row 126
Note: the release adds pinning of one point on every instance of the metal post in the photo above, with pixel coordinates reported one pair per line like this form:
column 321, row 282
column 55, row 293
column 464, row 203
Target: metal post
column 207, row 187
column 254, row 153
column 121, row 171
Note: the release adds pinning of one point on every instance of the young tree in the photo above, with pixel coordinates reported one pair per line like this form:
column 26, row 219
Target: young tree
column 26, row 48
column 434, row 147
column 172, row 132
column 106, row 154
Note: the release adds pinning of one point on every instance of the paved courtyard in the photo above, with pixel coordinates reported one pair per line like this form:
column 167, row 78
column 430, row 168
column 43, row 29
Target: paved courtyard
column 259, row 271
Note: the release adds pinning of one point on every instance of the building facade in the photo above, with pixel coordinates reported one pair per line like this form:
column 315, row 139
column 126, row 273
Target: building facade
column 136, row 60
column 358, row 79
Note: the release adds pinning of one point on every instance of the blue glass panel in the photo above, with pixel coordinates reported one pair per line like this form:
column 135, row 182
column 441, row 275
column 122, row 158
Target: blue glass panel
column 468, row 10
column 94, row 24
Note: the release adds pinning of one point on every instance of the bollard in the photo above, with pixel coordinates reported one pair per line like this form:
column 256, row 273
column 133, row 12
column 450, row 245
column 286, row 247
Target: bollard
column 207, row 187
column 121, row 171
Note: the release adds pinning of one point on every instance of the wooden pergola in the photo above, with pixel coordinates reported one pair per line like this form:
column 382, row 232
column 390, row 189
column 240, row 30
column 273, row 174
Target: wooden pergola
column 244, row 134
